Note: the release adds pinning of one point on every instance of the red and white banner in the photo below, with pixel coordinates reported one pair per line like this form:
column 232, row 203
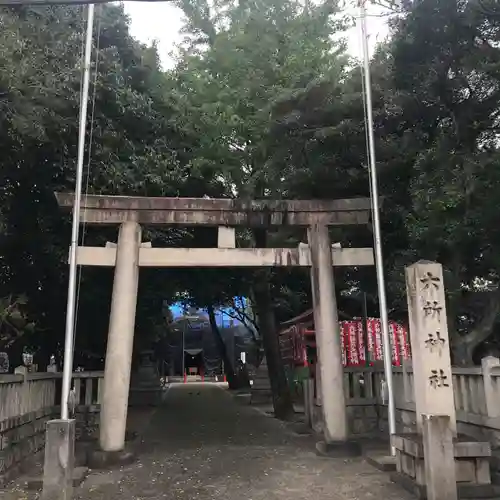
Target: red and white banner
column 352, row 341
column 294, row 351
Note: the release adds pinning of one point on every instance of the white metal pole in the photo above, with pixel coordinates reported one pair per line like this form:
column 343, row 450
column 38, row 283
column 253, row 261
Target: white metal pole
column 71, row 304
column 183, row 349
column 384, row 320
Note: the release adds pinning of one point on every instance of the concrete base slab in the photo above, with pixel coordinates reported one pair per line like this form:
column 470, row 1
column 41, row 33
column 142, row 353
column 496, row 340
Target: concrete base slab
column 465, row 491
column 338, row 449
column 79, row 475
column 100, row 459
column 385, row 463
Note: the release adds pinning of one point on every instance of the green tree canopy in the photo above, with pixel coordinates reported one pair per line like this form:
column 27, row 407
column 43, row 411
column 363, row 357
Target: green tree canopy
column 263, row 103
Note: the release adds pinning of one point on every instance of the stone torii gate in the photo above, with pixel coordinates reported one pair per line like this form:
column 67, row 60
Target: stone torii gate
column 130, row 253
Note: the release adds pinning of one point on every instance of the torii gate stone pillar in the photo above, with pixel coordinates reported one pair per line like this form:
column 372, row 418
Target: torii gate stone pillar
column 120, row 339
column 326, row 322
column 114, row 405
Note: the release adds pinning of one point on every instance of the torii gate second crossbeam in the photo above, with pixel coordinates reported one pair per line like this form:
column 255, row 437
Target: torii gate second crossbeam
column 224, row 256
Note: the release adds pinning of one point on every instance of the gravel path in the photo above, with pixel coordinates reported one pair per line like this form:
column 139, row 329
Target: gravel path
column 202, row 444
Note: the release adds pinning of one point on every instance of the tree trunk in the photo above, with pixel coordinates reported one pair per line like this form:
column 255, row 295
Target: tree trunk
column 461, row 354
column 463, row 347
column 232, row 379
column 282, row 398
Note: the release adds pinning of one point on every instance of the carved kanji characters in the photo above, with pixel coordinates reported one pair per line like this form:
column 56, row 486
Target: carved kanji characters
column 435, row 340
column 438, row 379
column 433, row 309
column 430, row 283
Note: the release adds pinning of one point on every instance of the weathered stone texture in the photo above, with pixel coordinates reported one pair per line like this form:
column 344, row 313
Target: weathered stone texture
column 23, row 438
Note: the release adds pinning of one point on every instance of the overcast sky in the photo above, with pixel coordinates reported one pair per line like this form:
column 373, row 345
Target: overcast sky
column 162, row 21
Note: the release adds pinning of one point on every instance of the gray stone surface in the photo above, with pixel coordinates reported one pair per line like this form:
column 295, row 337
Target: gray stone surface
column 21, row 438
column 339, row 449
column 308, row 394
column 145, row 387
column 430, row 343
column 138, row 421
column 439, row 458
column 79, row 475
column 386, row 463
column 326, row 323
column 59, row 461
column 202, row 444
column 100, row 459
column 471, row 466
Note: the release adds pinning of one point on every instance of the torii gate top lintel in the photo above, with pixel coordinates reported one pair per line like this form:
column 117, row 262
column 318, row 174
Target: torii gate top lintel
column 103, row 209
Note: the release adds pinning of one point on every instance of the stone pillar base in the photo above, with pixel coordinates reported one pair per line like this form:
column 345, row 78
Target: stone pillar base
column 36, row 483
column 471, row 465
column 59, row 460
column 338, row 449
column 100, row 459
column 465, row 491
column 385, row 463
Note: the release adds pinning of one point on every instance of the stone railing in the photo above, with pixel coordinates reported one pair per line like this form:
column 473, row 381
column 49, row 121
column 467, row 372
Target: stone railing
column 476, row 390
column 28, row 401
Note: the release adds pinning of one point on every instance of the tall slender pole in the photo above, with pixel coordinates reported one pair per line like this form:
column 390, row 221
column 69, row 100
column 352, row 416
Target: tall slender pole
column 365, row 330
column 183, row 349
column 384, row 320
column 69, row 339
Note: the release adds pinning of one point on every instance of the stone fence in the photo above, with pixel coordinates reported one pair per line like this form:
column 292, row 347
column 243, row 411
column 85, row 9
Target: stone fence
column 28, row 401
column 476, row 391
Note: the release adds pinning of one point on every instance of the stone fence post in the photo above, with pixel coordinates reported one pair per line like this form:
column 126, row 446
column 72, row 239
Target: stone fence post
column 408, row 396
column 491, row 378
column 308, row 388
column 24, row 396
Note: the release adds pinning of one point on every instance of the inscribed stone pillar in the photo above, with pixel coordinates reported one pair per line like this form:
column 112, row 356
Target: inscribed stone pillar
column 120, row 339
column 327, row 336
column 430, row 342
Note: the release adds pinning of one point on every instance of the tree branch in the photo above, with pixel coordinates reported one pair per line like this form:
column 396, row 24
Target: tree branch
column 484, row 327
column 245, row 319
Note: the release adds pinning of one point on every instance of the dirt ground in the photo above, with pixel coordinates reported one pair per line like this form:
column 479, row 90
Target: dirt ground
column 202, row 444
column 137, row 421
